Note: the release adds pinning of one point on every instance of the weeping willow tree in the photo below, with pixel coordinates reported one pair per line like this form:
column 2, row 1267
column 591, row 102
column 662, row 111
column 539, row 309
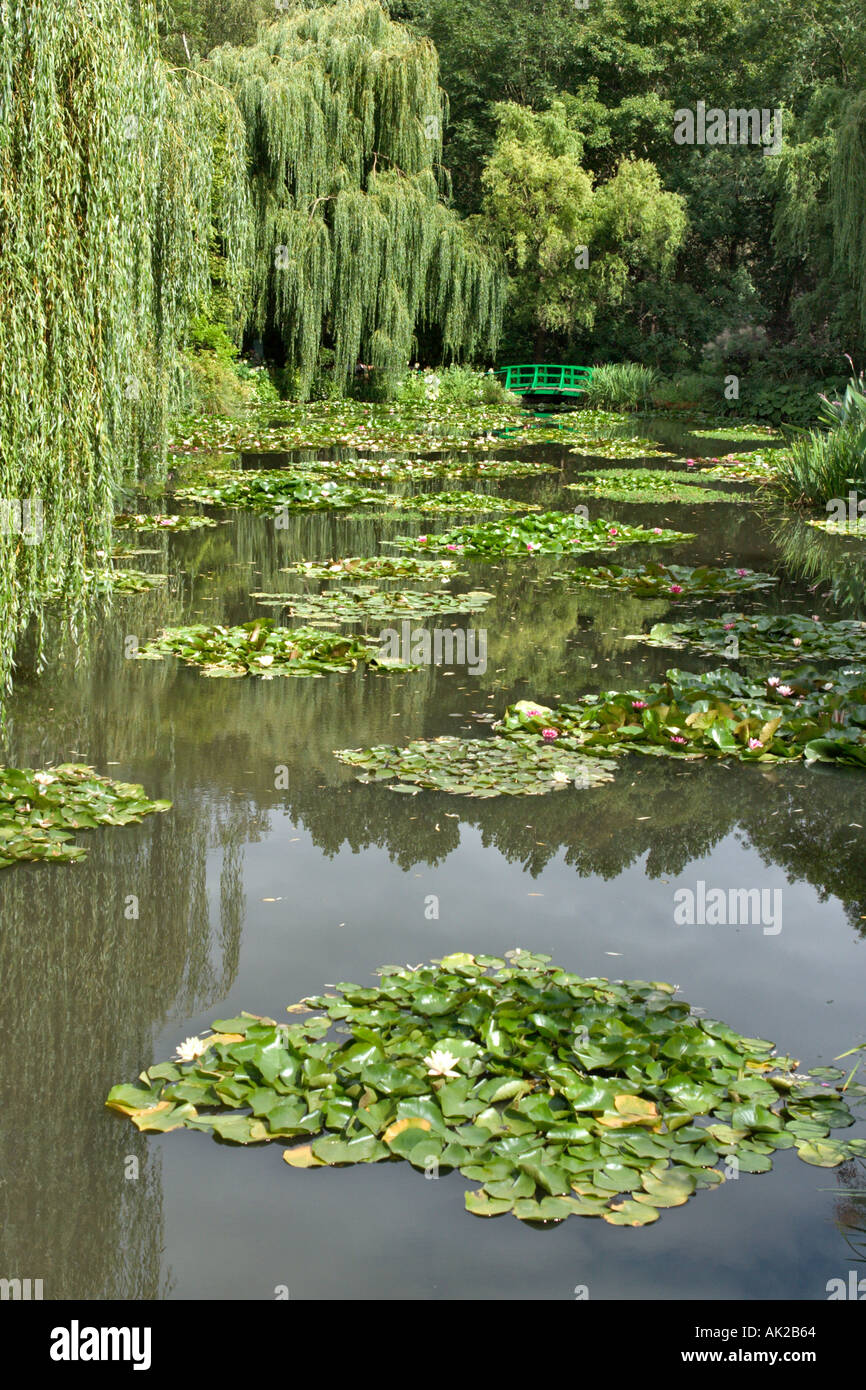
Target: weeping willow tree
column 354, row 246
column 848, row 189
column 110, row 193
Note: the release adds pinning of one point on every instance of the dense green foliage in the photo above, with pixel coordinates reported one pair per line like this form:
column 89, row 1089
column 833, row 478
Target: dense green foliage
column 823, row 466
column 354, row 248
column 770, row 279
column 571, row 248
column 621, row 386
column 108, row 196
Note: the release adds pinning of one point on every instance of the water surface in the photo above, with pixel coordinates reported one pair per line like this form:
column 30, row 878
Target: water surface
column 251, row 895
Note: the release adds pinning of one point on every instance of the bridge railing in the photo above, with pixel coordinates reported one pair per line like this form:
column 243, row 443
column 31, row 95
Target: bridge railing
column 544, row 378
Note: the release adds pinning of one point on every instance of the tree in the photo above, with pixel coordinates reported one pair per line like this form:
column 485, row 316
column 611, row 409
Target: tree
column 354, row 247
column 571, row 247
column 189, row 29
column 106, row 186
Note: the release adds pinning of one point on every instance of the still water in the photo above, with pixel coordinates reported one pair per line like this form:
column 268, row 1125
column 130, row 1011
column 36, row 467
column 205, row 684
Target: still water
column 250, row 897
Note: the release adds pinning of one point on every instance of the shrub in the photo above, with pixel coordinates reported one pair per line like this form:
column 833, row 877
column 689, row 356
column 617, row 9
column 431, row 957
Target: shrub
column 823, row 465
column 214, row 387
column 455, row 385
column 686, row 390
column 261, row 381
column 621, row 386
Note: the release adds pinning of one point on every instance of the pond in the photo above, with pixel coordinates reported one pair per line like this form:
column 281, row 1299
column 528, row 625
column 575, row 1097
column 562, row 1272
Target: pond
column 277, row 872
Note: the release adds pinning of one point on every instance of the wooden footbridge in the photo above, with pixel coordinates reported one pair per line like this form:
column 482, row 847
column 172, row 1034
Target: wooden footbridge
column 545, row 379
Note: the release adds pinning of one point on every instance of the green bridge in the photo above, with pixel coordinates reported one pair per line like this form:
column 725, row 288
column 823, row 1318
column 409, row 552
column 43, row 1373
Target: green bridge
column 545, row 379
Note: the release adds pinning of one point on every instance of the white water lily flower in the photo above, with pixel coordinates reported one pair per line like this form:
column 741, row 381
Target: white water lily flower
column 560, row 776
column 441, row 1063
column 190, row 1048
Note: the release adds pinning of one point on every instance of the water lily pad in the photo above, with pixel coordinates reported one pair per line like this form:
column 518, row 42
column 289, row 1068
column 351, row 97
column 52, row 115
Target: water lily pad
column 823, row 1153
column 631, row 1214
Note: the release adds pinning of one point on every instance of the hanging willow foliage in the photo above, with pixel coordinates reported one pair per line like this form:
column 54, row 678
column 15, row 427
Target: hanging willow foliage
column 114, row 174
column 848, row 185
column 353, row 244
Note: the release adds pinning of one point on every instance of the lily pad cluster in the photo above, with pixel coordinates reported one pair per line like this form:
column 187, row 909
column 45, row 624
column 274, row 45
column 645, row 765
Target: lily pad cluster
column 115, row 581
column 404, row 469
column 738, row 432
column 658, row 580
column 351, row 424
column 377, row 567
column 362, row 603
column 717, row 715
column 478, row 767
column 754, row 468
column 553, row 1094
column 652, row 485
column 775, row 635
column 612, row 447
column 160, row 521
column 433, row 503
column 260, row 649
column 261, row 491
column 40, row 812
column 549, row 533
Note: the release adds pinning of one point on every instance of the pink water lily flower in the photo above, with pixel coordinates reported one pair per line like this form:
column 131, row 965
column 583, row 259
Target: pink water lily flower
column 638, row 704
column 657, row 530
column 728, row 626
column 677, row 738
column 772, row 680
column 451, row 547
column 676, row 588
column 690, row 463
column 786, row 690
column 550, row 734
column 743, row 573
column 422, row 540
column 755, row 743
column 612, row 531
column 533, row 712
